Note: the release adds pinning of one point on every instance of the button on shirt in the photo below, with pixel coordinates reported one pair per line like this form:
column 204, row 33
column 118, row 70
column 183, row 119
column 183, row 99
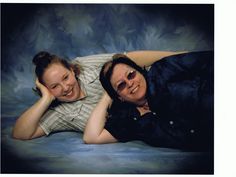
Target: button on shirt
column 74, row 115
column 180, row 92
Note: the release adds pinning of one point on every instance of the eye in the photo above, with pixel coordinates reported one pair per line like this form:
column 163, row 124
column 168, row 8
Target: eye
column 54, row 87
column 121, row 86
column 131, row 75
column 66, row 77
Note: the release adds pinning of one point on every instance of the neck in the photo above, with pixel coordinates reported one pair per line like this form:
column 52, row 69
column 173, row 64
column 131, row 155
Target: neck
column 144, row 108
column 142, row 103
column 82, row 93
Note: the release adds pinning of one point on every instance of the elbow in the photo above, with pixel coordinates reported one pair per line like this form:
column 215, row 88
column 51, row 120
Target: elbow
column 86, row 141
column 89, row 140
column 18, row 136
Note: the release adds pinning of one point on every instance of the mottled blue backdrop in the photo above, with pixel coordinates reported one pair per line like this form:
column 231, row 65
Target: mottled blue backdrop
column 82, row 29
column 72, row 30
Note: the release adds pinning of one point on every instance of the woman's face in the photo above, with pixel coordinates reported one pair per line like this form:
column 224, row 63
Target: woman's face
column 62, row 83
column 128, row 83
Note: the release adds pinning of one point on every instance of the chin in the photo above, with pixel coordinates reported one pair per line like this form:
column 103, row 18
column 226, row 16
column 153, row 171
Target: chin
column 68, row 99
column 72, row 99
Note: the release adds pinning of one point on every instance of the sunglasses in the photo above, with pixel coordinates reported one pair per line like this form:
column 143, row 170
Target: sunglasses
column 122, row 85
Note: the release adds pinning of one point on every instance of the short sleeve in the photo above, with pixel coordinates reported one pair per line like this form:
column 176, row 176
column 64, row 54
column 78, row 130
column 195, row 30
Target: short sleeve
column 49, row 121
column 119, row 130
column 120, row 125
column 54, row 121
column 98, row 59
column 182, row 66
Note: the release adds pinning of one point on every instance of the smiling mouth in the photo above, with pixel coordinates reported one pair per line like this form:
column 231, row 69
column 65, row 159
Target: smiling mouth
column 134, row 90
column 68, row 94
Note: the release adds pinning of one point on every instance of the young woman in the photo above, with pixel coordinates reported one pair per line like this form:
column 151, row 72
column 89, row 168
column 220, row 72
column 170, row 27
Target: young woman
column 69, row 92
column 171, row 105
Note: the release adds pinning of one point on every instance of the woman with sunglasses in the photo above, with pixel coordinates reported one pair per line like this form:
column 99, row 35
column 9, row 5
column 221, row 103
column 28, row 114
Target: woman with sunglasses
column 69, row 92
column 171, row 105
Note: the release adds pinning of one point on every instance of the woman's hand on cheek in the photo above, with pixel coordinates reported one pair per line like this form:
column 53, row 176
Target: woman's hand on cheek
column 44, row 91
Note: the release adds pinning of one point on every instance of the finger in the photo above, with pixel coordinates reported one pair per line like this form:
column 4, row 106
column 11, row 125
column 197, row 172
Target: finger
column 38, row 84
column 36, row 81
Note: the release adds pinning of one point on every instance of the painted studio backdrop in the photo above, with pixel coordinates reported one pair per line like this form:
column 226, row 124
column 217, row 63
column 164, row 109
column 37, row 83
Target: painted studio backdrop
column 71, row 30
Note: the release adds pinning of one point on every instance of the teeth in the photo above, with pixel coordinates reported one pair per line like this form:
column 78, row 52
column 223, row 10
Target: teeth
column 134, row 90
column 69, row 93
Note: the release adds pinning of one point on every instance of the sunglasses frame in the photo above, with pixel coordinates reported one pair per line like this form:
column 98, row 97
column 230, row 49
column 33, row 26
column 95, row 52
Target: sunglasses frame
column 122, row 85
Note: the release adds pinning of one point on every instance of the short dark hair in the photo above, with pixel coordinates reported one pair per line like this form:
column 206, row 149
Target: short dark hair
column 107, row 70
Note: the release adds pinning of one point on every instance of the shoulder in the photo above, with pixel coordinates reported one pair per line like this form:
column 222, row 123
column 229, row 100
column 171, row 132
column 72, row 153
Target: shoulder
column 93, row 59
column 121, row 110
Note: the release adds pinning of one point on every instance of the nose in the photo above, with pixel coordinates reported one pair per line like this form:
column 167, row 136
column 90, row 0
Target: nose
column 129, row 83
column 65, row 87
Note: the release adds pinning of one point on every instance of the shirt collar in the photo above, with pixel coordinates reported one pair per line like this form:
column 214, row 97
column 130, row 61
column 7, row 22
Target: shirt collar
column 82, row 87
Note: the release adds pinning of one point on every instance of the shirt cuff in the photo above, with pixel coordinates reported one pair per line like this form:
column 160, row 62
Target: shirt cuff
column 46, row 130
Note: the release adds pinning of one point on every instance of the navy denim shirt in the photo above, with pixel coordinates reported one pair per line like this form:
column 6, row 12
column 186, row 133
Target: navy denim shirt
column 180, row 95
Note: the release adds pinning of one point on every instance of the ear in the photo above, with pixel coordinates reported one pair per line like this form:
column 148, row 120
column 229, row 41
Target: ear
column 71, row 69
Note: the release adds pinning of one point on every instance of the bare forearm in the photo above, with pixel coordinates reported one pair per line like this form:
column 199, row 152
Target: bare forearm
column 28, row 122
column 148, row 57
column 96, row 122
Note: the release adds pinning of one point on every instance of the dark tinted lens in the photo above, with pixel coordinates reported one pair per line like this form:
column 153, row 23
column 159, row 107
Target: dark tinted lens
column 131, row 75
column 121, row 86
